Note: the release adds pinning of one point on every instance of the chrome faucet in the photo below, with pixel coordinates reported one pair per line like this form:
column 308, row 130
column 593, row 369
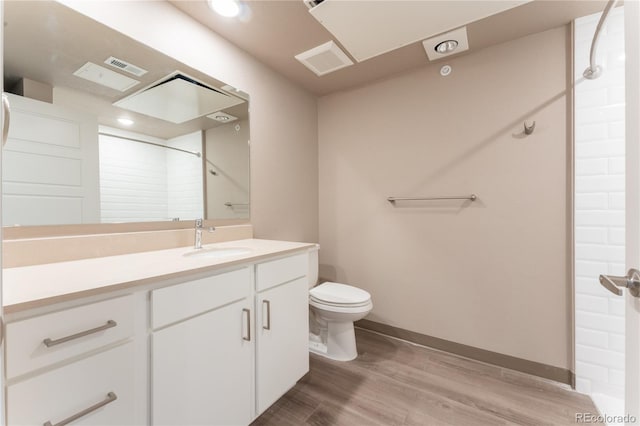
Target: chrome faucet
column 198, row 237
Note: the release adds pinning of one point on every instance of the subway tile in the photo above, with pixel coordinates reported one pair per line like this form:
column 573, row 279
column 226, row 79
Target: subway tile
column 616, row 129
column 591, row 98
column 592, row 201
column 589, row 269
column 617, row 94
column 616, row 268
column 592, row 166
column 599, row 252
column 600, row 357
column 599, row 322
column 598, row 316
column 590, row 303
column 589, row 286
column 599, row 218
column 617, row 342
column 616, row 165
column 616, row 377
column 600, row 114
column 593, row 147
column 616, row 236
column 600, row 183
column 593, row 338
column 593, row 372
column 591, row 132
column 616, row 200
column 616, row 306
column 592, row 235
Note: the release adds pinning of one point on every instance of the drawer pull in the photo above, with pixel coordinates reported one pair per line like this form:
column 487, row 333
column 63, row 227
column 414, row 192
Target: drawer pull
column 268, row 326
column 109, row 399
column 49, row 342
column 248, row 337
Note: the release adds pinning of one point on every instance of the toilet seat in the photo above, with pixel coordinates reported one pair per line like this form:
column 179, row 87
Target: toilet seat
column 338, row 295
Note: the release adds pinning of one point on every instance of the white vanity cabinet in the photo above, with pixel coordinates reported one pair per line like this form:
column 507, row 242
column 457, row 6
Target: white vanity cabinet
column 209, row 347
column 202, row 351
column 213, row 361
column 74, row 365
column 282, row 335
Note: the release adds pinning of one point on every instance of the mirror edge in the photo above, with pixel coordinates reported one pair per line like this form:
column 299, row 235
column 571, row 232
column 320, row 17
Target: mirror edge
column 49, row 231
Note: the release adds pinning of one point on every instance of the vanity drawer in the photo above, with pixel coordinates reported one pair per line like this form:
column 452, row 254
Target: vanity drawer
column 180, row 301
column 270, row 274
column 68, row 333
column 107, row 378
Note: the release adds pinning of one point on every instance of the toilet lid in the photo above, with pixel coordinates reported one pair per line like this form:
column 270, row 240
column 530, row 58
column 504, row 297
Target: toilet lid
column 339, row 294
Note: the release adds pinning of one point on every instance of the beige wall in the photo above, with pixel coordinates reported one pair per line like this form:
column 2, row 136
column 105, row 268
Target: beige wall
column 493, row 274
column 284, row 166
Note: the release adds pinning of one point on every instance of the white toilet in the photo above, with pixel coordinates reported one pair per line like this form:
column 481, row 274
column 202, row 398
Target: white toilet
column 333, row 309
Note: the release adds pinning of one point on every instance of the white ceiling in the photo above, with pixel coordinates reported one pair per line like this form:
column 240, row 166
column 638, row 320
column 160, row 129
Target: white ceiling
column 274, row 31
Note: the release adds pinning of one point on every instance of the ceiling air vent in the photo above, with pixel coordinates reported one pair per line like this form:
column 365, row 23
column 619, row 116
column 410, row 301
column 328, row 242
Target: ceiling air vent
column 125, row 66
column 105, row 77
column 312, row 3
column 324, row 59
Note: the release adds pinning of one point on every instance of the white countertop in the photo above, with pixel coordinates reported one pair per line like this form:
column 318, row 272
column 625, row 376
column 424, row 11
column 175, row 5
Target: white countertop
column 39, row 285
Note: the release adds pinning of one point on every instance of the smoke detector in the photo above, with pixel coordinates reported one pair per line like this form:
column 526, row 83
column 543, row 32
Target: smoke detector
column 446, row 44
column 326, row 58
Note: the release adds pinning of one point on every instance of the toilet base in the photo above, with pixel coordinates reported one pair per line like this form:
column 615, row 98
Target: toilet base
column 337, row 341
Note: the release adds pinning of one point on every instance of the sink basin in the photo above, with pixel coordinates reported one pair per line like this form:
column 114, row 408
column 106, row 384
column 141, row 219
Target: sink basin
column 218, row 253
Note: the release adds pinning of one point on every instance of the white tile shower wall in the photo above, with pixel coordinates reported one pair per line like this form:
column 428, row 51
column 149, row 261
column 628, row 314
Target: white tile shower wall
column 184, row 178
column 599, row 209
column 133, row 180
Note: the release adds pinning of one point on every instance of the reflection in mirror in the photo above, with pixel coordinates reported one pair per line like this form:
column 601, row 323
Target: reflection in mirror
column 107, row 130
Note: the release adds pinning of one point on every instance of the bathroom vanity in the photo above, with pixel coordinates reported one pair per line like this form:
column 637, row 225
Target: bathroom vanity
column 162, row 337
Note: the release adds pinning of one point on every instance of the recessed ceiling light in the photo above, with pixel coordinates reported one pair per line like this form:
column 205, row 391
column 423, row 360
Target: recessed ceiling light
column 227, row 8
column 222, row 116
column 125, row 121
column 446, row 46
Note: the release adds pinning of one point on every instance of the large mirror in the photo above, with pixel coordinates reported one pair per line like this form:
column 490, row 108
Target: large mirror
column 107, row 130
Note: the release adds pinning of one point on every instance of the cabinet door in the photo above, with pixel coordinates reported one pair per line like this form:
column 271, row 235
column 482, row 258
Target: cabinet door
column 282, row 339
column 202, row 369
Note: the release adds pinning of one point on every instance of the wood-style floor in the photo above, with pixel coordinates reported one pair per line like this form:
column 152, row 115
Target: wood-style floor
column 395, row 383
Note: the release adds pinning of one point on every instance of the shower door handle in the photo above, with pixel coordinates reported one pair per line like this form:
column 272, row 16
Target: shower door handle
column 615, row 284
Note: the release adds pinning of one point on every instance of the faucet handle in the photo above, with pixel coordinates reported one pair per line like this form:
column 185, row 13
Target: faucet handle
column 211, row 228
column 198, row 223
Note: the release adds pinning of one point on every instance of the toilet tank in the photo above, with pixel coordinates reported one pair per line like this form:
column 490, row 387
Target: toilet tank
column 313, row 265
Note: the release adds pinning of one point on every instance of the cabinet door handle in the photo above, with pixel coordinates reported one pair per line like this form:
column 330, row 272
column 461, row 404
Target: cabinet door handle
column 108, row 400
column 268, row 303
column 50, row 342
column 248, row 336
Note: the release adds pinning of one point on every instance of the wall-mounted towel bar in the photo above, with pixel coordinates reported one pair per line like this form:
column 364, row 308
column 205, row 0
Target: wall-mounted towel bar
column 230, row 204
column 471, row 197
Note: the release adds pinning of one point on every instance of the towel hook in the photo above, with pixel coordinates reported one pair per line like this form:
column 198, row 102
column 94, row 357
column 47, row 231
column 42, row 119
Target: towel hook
column 529, row 129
